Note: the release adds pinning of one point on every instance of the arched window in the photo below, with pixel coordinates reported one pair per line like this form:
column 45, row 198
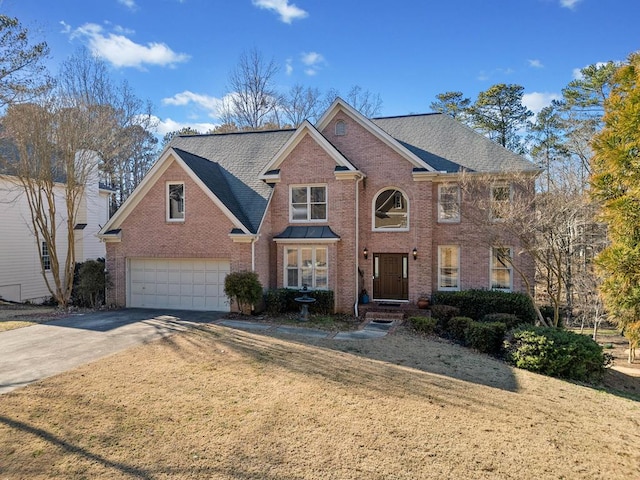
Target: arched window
column 391, row 210
column 341, row 128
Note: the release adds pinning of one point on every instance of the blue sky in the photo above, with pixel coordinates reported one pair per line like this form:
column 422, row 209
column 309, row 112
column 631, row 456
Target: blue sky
column 178, row 53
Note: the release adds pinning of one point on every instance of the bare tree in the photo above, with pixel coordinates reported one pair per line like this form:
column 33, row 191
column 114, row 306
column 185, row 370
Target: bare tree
column 54, row 160
column 300, row 104
column 127, row 150
column 253, row 96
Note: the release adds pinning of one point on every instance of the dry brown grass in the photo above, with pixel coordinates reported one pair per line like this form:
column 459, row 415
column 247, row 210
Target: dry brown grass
column 224, row 404
column 14, row 316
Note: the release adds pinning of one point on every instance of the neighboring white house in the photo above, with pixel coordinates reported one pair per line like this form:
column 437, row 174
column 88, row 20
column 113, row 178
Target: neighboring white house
column 20, row 275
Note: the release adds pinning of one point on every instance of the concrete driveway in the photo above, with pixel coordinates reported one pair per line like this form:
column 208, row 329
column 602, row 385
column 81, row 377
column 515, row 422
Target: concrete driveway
column 39, row 351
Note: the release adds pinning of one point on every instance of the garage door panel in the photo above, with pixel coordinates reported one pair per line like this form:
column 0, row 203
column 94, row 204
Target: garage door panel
column 192, row 284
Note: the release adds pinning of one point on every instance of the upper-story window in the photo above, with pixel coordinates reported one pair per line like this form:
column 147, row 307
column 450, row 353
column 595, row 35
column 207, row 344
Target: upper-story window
column 448, row 203
column 391, row 210
column 308, row 203
column 175, row 202
column 500, row 201
column 341, row 128
column 501, row 268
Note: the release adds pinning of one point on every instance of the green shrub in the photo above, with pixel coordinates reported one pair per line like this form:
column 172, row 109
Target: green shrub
column 486, row 337
column 510, row 320
column 89, row 283
column 279, row 301
column 478, row 303
column 423, row 324
column 243, row 287
column 442, row 314
column 557, row 353
column 457, row 328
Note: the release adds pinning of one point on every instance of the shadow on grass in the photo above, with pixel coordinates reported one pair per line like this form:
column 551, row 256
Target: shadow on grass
column 73, row 449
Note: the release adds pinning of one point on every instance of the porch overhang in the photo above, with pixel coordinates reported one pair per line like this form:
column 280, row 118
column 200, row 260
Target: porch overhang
column 307, row 234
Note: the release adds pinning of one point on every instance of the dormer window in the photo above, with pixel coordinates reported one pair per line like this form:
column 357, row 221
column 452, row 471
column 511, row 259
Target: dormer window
column 341, row 128
column 175, row 202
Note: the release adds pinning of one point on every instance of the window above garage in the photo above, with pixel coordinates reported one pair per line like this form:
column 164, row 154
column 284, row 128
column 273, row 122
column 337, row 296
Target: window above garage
column 175, row 201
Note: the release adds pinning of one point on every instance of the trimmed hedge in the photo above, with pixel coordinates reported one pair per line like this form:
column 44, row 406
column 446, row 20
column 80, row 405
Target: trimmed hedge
column 281, row 300
column 478, row 303
column 557, row 353
column 457, row 328
column 423, row 324
column 443, row 313
column 510, row 320
column 486, row 337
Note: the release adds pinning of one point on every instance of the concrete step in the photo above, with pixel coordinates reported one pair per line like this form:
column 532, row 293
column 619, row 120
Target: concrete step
column 381, row 315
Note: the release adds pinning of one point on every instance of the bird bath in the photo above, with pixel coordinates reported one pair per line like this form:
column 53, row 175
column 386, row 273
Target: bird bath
column 305, row 300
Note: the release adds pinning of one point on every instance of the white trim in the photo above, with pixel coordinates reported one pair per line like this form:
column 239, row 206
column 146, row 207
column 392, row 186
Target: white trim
column 373, row 211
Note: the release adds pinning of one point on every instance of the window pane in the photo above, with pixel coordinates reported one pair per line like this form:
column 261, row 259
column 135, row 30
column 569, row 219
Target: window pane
column 176, row 201
column 449, row 207
column 319, row 212
column 321, row 257
column 292, row 257
column 292, row 277
column 299, row 195
column 318, row 194
column 321, row 279
column 307, row 277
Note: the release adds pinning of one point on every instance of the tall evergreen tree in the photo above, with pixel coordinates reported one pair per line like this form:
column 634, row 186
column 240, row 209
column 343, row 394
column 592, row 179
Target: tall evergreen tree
column 499, row 113
column 615, row 183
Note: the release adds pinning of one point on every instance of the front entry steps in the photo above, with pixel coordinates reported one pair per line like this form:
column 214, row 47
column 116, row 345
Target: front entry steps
column 373, row 315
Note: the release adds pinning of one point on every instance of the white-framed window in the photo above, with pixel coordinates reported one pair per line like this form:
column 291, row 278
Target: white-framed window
column 175, row 201
column 46, row 258
column 448, row 203
column 306, row 265
column 500, row 200
column 341, row 128
column 391, row 210
column 449, row 267
column 308, row 203
column 501, row 268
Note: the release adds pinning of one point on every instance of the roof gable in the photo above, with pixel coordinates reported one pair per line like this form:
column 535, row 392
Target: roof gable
column 270, row 171
column 340, row 105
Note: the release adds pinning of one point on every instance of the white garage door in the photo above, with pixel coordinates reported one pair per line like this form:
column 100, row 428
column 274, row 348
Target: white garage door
column 188, row 284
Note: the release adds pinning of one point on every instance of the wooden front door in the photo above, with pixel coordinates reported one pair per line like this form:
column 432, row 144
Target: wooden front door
column 390, row 276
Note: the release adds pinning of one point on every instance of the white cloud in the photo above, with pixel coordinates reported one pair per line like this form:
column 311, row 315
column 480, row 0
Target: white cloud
column 208, row 103
column 130, row 4
column 314, row 62
column 535, row 63
column 569, row 3
column 168, row 125
column 288, row 67
column 536, row 101
column 288, row 12
column 120, row 51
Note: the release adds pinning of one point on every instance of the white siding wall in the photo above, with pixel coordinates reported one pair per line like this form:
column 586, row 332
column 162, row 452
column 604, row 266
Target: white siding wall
column 20, row 277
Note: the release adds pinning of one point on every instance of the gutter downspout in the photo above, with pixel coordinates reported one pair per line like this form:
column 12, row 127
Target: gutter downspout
column 357, row 246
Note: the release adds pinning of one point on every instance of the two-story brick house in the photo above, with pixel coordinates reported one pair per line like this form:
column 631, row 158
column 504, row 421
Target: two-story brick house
column 348, row 204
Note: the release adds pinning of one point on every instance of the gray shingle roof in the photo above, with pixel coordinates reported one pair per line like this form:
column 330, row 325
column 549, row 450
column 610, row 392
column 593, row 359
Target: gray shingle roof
column 447, row 145
column 238, row 159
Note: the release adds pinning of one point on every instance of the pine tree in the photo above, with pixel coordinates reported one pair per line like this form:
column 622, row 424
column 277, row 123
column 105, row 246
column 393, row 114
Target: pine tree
column 615, row 184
